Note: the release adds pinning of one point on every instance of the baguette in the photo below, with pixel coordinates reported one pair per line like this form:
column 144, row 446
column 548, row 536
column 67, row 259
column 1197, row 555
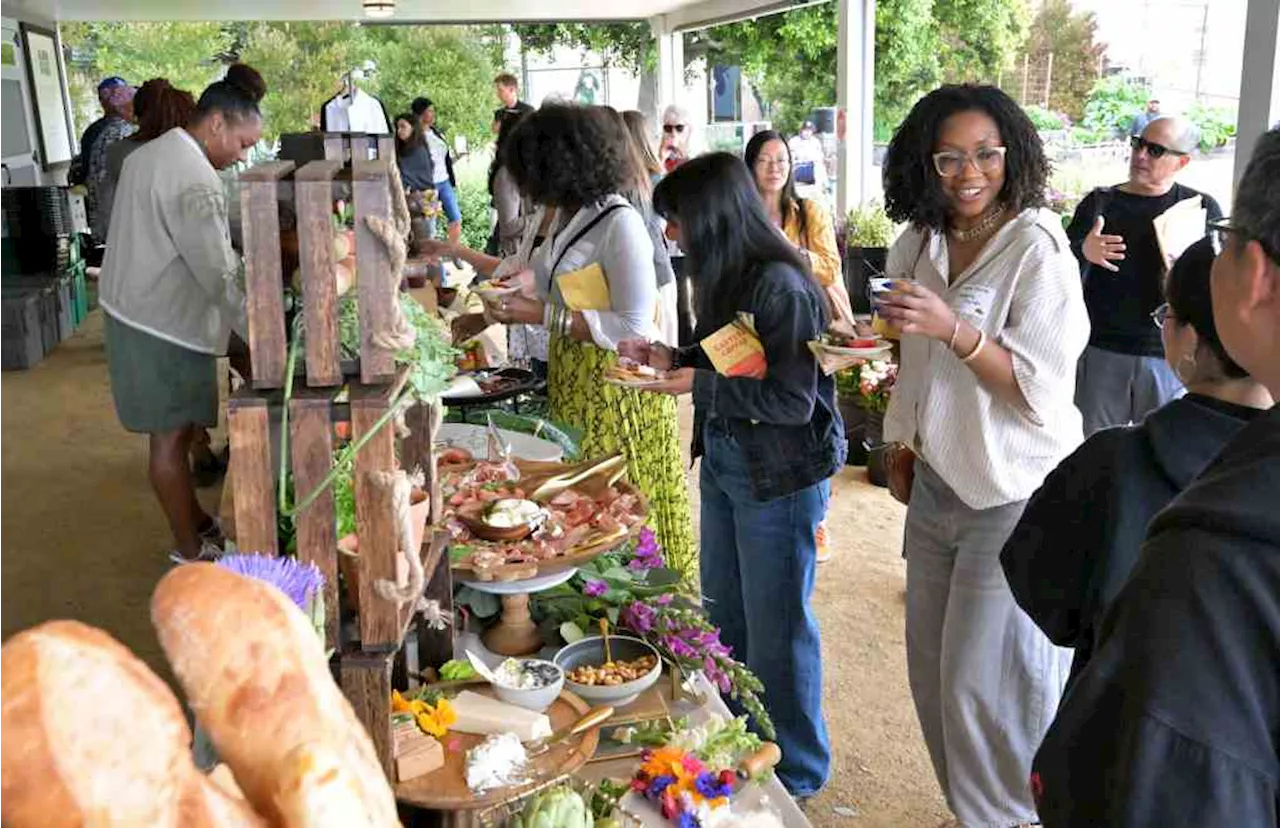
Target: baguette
column 93, row 737
column 256, row 675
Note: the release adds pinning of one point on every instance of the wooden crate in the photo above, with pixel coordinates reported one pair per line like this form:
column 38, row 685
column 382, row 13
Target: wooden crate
column 286, row 215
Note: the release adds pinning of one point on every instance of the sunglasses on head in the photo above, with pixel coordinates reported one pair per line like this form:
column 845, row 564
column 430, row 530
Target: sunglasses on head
column 670, row 128
column 1153, row 149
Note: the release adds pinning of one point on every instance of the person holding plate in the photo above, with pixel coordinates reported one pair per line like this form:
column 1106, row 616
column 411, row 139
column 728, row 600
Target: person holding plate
column 993, row 323
column 594, row 286
column 769, row 434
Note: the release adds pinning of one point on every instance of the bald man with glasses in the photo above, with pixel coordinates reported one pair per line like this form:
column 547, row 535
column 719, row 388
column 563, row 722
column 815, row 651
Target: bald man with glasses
column 1122, row 375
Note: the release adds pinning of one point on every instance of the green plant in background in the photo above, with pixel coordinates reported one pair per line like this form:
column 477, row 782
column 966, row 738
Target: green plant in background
column 1046, row 119
column 867, row 225
column 1215, row 125
column 473, row 201
column 1113, row 104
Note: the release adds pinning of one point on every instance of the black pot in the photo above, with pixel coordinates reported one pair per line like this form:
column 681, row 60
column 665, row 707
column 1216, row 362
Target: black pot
column 861, row 264
column 873, row 443
column 855, row 429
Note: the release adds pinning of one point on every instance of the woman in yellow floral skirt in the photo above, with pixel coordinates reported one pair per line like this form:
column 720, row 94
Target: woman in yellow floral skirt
column 577, row 161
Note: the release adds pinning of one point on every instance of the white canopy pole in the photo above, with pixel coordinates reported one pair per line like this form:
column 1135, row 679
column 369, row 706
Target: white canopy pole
column 670, row 64
column 855, row 97
column 1259, row 79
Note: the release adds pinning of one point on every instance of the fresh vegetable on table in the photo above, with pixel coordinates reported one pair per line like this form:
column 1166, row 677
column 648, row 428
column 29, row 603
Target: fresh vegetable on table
column 457, row 670
column 560, row 807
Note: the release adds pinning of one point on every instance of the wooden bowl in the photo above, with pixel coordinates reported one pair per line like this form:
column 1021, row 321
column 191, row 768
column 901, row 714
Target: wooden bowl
column 499, row 534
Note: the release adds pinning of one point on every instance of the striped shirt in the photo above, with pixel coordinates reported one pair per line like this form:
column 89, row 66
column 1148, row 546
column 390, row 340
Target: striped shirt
column 1024, row 291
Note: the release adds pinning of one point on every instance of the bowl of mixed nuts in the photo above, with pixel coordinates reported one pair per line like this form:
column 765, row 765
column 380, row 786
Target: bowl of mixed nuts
column 634, row 668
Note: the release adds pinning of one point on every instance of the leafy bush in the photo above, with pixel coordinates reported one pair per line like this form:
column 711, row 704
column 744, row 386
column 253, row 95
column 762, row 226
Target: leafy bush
column 1046, row 119
column 867, row 225
column 1091, row 135
column 1113, row 104
column 1215, row 125
column 473, row 201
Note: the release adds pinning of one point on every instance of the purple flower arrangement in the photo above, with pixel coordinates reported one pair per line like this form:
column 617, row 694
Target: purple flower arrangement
column 303, row 583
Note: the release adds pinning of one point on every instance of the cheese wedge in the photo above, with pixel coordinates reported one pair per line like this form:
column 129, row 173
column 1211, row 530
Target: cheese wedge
column 483, row 715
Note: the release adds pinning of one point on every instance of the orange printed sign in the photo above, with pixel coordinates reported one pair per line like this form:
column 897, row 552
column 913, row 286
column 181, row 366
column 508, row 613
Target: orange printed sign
column 736, row 351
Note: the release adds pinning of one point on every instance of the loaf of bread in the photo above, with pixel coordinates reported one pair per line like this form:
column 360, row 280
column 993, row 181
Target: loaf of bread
column 255, row 674
column 93, row 737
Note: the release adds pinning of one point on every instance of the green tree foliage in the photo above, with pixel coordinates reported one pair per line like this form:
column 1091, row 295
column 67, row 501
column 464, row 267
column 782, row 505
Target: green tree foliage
column 628, row 45
column 790, row 57
column 302, row 63
column 1068, row 35
column 1113, row 104
column 185, row 53
column 451, row 65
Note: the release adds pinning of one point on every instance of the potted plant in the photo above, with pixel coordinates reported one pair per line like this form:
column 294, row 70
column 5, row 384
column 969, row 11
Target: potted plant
column 868, row 231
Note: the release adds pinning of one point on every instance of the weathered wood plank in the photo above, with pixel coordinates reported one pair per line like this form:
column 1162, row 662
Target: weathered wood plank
column 375, row 518
column 436, row 646
column 337, row 147
column 366, row 682
column 264, row 274
column 417, row 450
column 311, row 449
column 314, row 186
column 249, row 432
column 377, row 294
column 386, row 146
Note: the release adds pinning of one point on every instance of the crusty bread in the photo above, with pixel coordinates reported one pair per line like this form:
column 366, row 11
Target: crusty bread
column 256, row 676
column 93, row 737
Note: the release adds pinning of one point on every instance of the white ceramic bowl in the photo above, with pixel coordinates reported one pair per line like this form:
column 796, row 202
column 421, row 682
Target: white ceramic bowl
column 590, row 650
column 538, row 699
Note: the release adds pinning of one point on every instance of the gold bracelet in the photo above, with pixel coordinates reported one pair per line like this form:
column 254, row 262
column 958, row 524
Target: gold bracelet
column 977, row 349
column 955, row 331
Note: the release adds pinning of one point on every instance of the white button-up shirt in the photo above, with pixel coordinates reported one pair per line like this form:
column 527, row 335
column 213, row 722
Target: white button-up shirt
column 1024, row 291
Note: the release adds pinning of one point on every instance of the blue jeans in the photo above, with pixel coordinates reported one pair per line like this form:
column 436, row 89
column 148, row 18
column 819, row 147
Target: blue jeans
column 448, row 201
column 757, row 564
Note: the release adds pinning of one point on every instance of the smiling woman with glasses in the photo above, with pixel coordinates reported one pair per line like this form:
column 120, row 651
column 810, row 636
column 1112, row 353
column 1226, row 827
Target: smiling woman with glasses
column 993, row 322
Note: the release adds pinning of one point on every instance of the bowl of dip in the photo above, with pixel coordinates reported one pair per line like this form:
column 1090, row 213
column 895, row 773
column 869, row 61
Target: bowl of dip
column 531, row 683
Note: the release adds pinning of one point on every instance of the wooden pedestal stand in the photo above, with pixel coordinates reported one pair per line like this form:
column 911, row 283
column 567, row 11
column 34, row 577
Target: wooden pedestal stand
column 280, row 202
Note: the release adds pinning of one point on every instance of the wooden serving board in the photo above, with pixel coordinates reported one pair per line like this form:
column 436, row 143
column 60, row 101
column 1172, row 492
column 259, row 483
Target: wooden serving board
column 446, row 789
column 576, row 557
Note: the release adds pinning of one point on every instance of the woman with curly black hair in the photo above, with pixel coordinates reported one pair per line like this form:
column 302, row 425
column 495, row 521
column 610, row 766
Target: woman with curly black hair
column 595, row 286
column 988, row 299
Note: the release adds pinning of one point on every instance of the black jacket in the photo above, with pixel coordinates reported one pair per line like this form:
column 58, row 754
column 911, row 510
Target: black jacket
column 787, row 423
column 1079, row 537
column 1176, row 720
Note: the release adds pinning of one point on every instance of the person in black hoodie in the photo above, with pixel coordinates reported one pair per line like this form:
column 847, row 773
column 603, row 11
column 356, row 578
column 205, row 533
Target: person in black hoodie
column 1176, row 719
column 1078, row 539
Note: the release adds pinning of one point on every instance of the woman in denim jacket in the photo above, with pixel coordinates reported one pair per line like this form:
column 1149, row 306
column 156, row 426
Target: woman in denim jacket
column 768, row 445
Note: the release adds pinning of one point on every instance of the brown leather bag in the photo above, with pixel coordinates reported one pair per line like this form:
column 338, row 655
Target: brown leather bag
column 900, row 467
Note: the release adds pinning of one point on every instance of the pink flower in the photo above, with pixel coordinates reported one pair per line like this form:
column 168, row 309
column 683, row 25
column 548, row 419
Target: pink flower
column 594, row 589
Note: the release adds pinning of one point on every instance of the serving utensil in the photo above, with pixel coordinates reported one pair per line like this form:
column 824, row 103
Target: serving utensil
column 594, row 717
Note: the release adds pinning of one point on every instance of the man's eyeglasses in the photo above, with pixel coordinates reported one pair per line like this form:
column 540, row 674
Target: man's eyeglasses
column 1153, row 149
column 670, row 128
column 950, row 164
column 1221, row 229
column 1160, row 314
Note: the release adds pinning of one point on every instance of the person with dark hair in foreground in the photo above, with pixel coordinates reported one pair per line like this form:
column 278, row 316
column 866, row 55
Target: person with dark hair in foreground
column 170, row 292
column 1078, row 539
column 769, row 444
column 989, row 303
column 576, row 162
column 1176, row 719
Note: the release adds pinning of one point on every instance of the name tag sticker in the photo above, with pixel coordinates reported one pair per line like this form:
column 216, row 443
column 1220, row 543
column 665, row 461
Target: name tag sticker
column 973, row 302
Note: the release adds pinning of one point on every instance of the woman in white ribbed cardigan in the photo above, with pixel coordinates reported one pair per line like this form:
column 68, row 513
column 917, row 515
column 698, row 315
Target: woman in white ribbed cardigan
column 993, row 321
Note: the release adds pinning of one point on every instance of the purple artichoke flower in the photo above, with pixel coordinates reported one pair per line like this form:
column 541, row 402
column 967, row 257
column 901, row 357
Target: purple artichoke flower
column 300, row 581
column 594, row 589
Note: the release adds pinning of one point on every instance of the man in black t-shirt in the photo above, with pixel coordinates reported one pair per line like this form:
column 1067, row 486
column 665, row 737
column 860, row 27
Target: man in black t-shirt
column 1122, row 375
column 507, row 88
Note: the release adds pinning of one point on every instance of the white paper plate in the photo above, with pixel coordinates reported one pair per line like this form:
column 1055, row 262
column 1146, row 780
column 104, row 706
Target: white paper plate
column 633, row 383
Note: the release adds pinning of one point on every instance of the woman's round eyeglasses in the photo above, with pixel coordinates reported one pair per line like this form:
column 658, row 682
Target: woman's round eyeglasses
column 1160, row 314
column 950, row 163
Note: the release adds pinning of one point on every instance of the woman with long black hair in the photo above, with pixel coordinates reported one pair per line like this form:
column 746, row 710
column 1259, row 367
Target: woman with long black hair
column 768, row 444
column 993, row 322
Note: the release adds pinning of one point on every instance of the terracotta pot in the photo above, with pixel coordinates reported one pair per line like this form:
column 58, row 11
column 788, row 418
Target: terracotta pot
column 349, row 548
